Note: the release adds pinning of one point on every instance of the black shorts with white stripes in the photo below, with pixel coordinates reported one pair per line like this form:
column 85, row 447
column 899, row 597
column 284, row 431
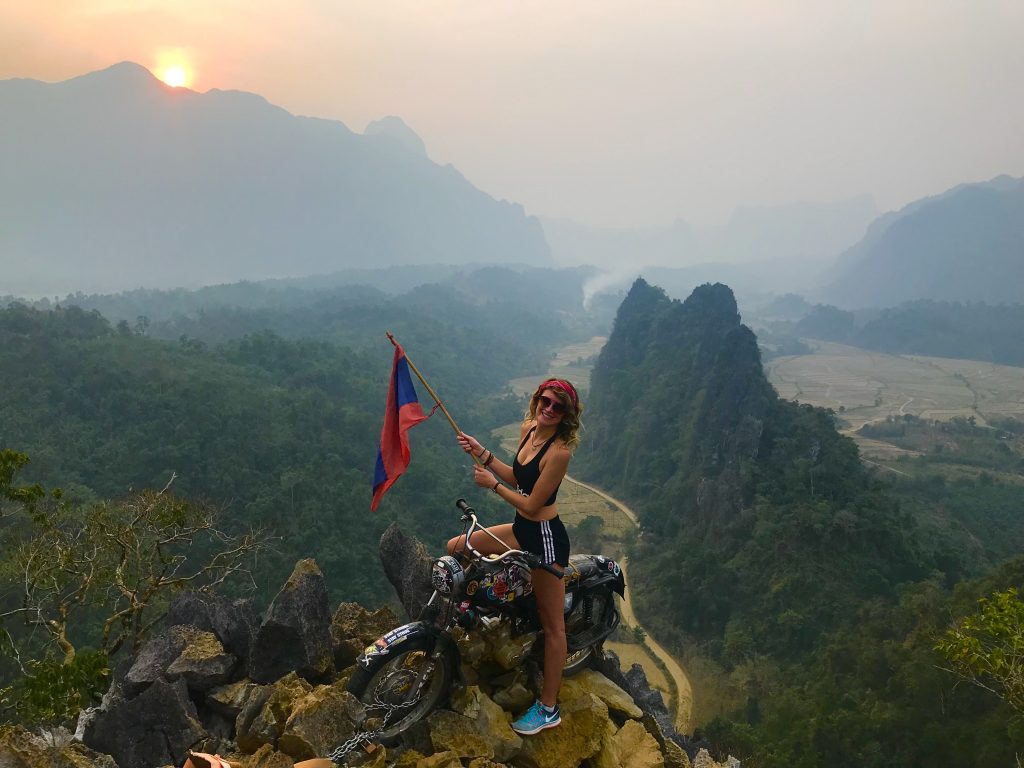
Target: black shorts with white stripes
column 545, row 538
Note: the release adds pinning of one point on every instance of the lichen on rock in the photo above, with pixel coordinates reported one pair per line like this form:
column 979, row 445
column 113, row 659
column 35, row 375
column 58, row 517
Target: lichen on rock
column 325, row 717
column 21, row 749
column 609, row 719
column 584, row 727
column 632, row 747
column 612, row 695
column 296, row 632
column 265, row 717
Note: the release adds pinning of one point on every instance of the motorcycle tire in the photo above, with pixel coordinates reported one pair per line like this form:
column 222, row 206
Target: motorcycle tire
column 388, row 681
column 578, row 661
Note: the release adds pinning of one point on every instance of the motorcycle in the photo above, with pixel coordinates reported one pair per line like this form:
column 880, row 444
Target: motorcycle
column 407, row 673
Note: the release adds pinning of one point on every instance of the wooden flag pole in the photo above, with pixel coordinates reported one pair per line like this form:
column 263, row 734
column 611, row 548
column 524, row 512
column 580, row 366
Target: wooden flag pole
column 433, row 394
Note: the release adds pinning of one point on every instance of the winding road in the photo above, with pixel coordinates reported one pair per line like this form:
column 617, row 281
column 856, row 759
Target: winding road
column 684, row 691
column 684, row 695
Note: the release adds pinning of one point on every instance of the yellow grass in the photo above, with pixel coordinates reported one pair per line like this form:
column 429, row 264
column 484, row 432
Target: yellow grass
column 563, row 366
column 632, row 653
column 865, row 386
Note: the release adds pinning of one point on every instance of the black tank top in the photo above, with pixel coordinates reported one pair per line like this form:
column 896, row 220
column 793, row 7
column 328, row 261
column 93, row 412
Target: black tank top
column 527, row 474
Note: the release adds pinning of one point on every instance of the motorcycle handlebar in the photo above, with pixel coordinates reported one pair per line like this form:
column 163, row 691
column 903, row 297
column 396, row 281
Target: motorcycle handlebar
column 535, row 562
column 532, row 560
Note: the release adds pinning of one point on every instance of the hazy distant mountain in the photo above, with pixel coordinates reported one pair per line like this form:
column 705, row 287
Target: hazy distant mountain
column 573, row 244
column 113, row 180
column 775, row 248
column 394, row 129
column 810, row 233
column 966, row 244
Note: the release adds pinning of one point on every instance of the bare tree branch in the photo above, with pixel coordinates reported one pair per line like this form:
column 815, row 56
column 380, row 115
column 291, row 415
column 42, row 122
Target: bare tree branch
column 122, row 557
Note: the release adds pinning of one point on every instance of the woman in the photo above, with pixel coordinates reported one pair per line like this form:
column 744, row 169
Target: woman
column 549, row 434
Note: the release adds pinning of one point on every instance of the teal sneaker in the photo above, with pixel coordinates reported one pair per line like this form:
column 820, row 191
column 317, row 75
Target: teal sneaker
column 537, row 718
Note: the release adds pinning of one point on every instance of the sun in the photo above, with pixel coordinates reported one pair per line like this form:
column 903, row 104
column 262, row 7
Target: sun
column 175, row 76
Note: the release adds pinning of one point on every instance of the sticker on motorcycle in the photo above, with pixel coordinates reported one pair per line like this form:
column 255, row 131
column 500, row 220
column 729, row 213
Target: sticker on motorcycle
column 499, row 588
column 614, row 567
column 516, row 578
column 379, row 648
column 472, row 587
column 381, row 645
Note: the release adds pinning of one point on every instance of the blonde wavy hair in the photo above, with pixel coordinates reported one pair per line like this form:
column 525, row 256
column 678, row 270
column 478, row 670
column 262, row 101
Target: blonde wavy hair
column 569, row 427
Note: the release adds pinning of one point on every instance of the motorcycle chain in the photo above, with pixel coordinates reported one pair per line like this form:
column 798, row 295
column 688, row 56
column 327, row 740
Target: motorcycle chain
column 362, row 737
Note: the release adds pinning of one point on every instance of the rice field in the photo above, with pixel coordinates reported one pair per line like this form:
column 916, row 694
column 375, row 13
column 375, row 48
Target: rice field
column 868, row 386
column 565, row 364
column 864, row 386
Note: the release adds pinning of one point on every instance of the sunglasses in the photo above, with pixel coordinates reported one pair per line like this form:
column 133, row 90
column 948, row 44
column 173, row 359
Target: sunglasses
column 545, row 403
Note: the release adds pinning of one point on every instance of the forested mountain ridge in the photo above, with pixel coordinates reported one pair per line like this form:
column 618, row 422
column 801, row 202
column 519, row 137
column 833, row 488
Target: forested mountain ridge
column 160, row 186
column 964, row 245
column 769, row 547
column 682, row 416
column 273, row 412
column 971, row 331
column 264, row 403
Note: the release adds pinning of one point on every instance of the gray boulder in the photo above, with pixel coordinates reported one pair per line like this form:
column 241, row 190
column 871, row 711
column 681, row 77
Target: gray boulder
column 53, row 748
column 234, row 623
column 353, row 628
column 649, row 699
column 157, row 727
column 296, row 633
column 194, row 655
column 407, row 565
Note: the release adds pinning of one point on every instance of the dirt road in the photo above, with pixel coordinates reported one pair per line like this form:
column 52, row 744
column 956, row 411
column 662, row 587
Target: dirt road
column 684, row 699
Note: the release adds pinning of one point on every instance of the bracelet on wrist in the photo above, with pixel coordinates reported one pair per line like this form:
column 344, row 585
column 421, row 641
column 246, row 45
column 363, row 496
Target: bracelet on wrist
column 496, row 485
column 490, row 458
column 482, row 452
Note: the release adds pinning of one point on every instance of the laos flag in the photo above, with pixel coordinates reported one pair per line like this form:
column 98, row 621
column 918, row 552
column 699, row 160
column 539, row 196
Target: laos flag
column 402, row 413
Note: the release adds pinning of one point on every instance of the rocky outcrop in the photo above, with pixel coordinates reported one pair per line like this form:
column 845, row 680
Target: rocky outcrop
column 233, row 622
column 477, row 727
column 156, row 727
column 295, row 634
column 581, row 736
column 229, row 700
column 631, row 746
column 320, row 721
column 353, row 628
column 185, row 652
column 265, row 715
column 407, row 565
column 186, row 690
column 177, row 695
column 57, row 749
column 616, row 699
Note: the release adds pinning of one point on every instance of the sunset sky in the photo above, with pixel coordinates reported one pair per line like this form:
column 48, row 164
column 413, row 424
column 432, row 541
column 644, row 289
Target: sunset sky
column 611, row 113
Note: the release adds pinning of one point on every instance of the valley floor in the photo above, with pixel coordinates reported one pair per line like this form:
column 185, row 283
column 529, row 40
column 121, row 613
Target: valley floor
column 865, row 387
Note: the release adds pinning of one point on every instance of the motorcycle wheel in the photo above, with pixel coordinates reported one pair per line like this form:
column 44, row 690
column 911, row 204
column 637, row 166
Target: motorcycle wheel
column 387, row 685
column 580, row 660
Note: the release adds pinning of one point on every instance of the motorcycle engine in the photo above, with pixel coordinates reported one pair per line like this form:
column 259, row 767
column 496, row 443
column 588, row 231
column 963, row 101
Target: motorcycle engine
column 447, row 575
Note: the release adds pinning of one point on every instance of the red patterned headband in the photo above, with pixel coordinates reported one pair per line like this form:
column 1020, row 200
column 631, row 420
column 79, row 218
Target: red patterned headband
column 563, row 385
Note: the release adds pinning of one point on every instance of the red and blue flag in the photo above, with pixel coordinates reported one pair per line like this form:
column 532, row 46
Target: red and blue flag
column 403, row 412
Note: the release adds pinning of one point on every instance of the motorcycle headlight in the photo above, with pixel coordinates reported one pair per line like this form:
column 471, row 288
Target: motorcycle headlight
column 447, row 575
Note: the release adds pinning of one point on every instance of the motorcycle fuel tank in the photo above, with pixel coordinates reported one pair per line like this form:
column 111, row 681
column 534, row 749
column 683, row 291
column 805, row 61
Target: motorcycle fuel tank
column 496, row 584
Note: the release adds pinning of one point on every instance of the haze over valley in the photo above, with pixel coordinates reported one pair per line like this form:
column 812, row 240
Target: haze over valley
column 779, row 249
column 159, row 187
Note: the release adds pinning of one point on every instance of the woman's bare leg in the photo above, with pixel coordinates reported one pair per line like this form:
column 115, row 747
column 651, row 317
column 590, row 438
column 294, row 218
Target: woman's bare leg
column 484, row 543
column 550, row 593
